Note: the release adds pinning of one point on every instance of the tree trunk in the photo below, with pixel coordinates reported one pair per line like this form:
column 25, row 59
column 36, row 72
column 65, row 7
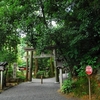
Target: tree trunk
column 36, row 66
column 51, row 67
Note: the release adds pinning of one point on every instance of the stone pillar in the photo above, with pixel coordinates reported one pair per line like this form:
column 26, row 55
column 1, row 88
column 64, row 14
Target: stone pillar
column 61, row 77
column 31, row 65
column 27, row 65
column 56, row 69
column 1, row 80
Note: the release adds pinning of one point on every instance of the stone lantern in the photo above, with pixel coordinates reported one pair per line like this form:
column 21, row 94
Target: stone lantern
column 2, row 69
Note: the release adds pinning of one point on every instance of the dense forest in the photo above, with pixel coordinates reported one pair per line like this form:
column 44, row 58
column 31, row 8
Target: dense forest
column 72, row 26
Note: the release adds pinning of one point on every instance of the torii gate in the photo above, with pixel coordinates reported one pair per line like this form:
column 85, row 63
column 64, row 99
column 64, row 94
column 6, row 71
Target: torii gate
column 31, row 57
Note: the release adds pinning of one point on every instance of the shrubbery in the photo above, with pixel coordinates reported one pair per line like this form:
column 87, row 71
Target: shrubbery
column 79, row 87
column 67, row 86
column 39, row 73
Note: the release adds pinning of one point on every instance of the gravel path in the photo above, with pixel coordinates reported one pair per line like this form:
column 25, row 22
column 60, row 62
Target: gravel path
column 34, row 91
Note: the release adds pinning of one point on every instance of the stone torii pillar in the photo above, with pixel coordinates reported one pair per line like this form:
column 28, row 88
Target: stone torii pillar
column 29, row 64
column 55, row 66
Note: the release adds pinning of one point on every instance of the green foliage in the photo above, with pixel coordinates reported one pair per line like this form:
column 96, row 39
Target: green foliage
column 47, row 74
column 67, row 86
column 10, row 72
column 76, row 35
column 81, row 87
column 97, row 92
column 88, row 60
column 21, row 76
column 40, row 73
column 10, row 57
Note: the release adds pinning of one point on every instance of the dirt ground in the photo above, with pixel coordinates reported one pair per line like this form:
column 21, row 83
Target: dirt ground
column 86, row 97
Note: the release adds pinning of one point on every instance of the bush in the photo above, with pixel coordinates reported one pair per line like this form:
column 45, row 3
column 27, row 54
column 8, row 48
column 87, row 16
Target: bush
column 81, row 86
column 10, row 72
column 20, row 76
column 39, row 73
column 67, row 86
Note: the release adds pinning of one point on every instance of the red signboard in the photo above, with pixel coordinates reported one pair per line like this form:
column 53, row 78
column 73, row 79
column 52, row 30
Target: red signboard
column 89, row 70
column 22, row 68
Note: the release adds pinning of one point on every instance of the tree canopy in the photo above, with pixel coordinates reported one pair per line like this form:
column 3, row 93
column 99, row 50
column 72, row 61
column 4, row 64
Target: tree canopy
column 76, row 33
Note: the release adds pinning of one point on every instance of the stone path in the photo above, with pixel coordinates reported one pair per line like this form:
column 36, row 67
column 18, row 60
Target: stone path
column 34, row 91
